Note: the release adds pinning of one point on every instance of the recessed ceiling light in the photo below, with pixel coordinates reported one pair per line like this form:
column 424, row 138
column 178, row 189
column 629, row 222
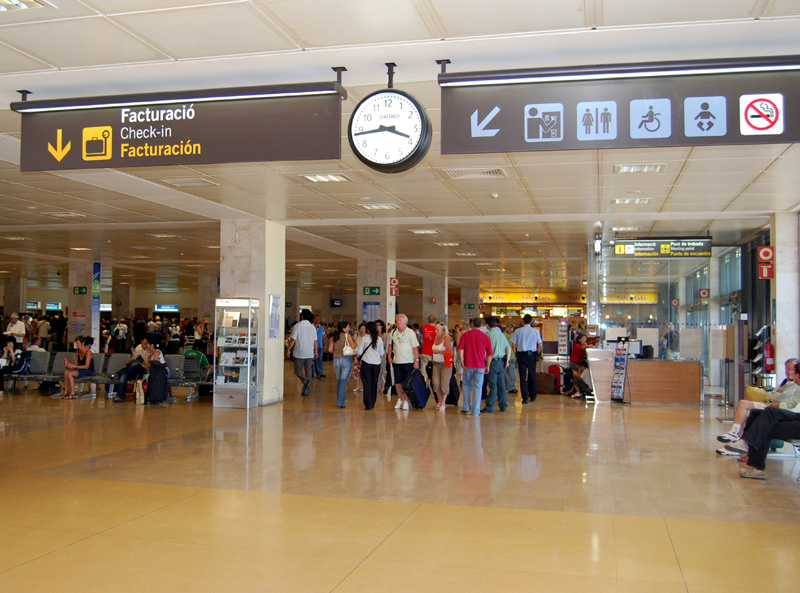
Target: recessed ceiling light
column 305, row 265
column 637, row 201
column 448, row 244
column 184, row 182
column 351, row 275
column 625, row 229
column 326, row 177
column 425, row 231
column 163, row 236
column 330, row 270
column 653, row 168
column 139, row 257
column 14, row 238
column 80, row 248
column 495, row 269
column 6, row 5
column 532, row 242
column 124, row 283
column 380, row 206
column 483, row 263
column 466, row 254
column 147, row 247
column 65, row 214
column 212, row 246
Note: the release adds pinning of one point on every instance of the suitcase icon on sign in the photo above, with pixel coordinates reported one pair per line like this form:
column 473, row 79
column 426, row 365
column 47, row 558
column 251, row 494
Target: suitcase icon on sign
column 97, row 143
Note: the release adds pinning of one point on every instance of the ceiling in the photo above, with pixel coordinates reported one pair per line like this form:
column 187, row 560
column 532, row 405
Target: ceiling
column 531, row 225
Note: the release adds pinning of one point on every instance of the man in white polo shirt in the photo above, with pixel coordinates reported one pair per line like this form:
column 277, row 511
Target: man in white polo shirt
column 16, row 329
column 304, row 343
column 402, row 352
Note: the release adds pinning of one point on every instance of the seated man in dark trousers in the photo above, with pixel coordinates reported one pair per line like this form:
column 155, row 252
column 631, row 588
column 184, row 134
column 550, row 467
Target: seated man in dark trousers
column 763, row 426
column 527, row 345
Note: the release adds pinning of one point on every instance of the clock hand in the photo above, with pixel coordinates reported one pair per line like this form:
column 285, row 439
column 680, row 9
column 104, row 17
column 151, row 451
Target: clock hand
column 383, row 128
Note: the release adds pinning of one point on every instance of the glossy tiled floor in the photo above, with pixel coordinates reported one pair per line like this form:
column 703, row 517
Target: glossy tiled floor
column 550, row 497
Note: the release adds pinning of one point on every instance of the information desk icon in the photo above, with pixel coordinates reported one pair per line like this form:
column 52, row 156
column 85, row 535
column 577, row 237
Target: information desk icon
column 97, row 143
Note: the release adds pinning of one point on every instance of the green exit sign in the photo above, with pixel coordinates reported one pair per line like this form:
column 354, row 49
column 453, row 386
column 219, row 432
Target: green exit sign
column 79, row 290
column 372, row 291
column 288, row 304
column 469, row 305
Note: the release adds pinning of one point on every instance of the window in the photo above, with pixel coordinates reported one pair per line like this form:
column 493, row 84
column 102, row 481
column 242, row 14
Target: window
column 730, row 272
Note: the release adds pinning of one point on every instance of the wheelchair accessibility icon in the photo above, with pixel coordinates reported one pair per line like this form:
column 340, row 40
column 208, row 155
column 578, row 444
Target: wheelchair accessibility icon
column 651, row 118
column 97, row 143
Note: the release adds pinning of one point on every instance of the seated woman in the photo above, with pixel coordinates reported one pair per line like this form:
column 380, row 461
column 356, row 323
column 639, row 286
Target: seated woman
column 582, row 384
column 7, row 354
column 82, row 367
column 758, row 399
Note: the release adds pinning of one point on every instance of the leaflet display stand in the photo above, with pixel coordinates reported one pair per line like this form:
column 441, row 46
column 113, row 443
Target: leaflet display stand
column 620, row 370
column 236, row 357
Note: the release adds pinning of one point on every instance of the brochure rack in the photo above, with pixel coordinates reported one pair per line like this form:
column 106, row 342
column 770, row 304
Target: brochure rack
column 236, row 357
column 620, row 370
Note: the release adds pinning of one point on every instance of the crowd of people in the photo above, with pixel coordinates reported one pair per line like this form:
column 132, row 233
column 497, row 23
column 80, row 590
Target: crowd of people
column 380, row 358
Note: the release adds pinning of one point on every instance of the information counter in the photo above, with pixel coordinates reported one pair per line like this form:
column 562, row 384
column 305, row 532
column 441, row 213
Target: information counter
column 648, row 381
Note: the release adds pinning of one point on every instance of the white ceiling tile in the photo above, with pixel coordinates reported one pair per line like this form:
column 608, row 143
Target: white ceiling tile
column 91, row 41
column 198, row 31
column 353, row 22
column 14, row 61
column 628, row 12
column 508, row 16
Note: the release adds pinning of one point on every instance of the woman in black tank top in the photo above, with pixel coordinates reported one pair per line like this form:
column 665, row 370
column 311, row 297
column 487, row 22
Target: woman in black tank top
column 82, row 367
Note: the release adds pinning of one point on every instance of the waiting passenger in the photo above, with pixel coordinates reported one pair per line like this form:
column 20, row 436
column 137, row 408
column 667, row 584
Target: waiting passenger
column 758, row 399
column 134, row 370
column 82, row 367
column 7, row 357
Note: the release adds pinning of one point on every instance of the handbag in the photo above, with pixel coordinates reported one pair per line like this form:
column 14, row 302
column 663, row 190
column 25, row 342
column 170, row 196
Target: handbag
column 348, row 350
column 139, row 390
column 448, row 358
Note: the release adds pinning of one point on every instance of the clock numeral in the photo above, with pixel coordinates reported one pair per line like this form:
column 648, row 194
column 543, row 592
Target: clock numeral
column 410, row 114
column 364, row 144
column 367, row 117
column 387, row 156
column 376, row 107
column 410, row 141
column 387, row 102
column 360, row 128
column 416, row 127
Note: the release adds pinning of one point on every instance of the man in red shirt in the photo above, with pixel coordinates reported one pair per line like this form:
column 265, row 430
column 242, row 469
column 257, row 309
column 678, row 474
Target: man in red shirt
column 426, row 354
column 475, row 350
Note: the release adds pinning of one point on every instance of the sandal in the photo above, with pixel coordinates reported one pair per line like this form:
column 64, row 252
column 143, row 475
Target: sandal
column 73, row 396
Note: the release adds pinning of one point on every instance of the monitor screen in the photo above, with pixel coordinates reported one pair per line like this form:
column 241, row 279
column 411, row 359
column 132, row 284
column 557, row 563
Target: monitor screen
column 336, row 302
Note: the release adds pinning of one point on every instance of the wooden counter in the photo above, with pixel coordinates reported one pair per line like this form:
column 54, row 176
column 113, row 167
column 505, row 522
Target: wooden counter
column 649, row 381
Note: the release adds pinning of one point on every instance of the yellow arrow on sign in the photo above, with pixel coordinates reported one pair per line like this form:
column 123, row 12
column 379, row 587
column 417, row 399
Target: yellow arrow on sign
column 60, row 151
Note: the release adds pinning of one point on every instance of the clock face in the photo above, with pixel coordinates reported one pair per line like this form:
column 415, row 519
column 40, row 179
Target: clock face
column 390, row 131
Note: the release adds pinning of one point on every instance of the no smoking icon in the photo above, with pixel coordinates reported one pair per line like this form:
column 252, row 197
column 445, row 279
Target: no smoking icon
column 761, row 114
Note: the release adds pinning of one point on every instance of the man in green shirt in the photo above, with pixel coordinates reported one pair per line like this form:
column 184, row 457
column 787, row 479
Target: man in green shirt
column 496, row 379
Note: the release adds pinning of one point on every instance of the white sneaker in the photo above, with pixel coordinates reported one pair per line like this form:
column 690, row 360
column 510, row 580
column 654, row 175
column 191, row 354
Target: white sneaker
column 443, row 408
column 726, row 453
column 405, row 405
column 728, row 437
column 399, row 404
column 739, row 447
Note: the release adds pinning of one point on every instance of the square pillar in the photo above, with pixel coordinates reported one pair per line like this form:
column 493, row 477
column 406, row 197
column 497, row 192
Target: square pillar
column 206, row 296
column 79, row 315
column 122, row 299
column 434, row 288
column 375, row 273
column 785, row 239
column 470, row 296
column 253, row 264
column 292, row 304
column 15, row 295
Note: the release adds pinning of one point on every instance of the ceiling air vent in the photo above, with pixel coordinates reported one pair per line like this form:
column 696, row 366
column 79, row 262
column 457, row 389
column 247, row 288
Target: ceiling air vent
column 475, row 173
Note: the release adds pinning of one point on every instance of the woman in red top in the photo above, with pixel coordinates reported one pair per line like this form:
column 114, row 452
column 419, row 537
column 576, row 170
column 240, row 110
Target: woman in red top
column 578, row 350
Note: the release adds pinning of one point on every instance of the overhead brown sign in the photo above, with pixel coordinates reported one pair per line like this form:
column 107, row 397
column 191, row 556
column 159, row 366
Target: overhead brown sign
column 268, row 123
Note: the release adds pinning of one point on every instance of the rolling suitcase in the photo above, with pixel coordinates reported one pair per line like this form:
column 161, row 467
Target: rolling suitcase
column 554, row 369
column 417, row 390
column 546, row 383
column 157, row 386
column 454, row 394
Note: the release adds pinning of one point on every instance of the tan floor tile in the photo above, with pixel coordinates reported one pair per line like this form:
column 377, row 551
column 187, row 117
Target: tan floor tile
column 23, row 544
column 651, row 586
column 693, row 588
column 560, row 583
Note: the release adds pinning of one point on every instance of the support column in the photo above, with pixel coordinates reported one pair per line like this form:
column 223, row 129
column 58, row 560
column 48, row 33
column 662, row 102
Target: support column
column 470, row 303
column 714, row 364
column 206, row 295
column 434, row 288
column 15, row 295
column 592, row 287
column 253, row 264
column 292, row 304
column 122, row 299
column 682, row 308
column 784, row 288
column 79, row 316
column 374, row 273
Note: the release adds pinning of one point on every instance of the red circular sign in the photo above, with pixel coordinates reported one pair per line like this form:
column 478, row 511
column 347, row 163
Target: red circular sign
column 766, row 253
column 704, row 293
column 761, row 114
column 675, row 302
